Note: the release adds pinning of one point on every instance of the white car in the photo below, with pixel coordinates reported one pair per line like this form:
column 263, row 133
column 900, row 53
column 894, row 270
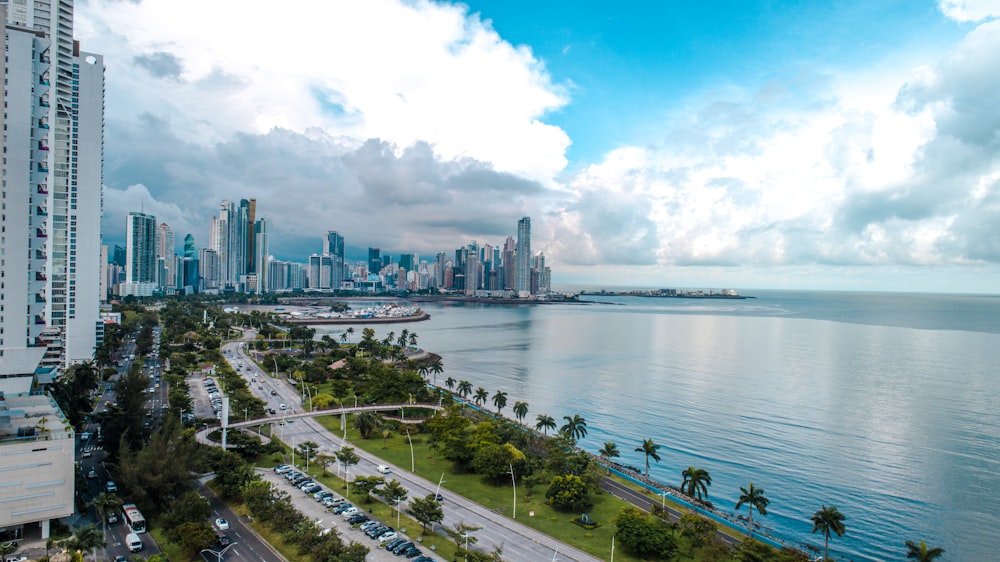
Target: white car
column 387, row 537
column 221, row 524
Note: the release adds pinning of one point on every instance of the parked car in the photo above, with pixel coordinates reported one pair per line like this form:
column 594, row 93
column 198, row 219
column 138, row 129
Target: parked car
column 347, row 513
column 389, row 545
column 283, row 469
column 401, row 547
column 340, row 508
column 312, row 489
column 322, row 495
column 357, row 520
column 387, row 536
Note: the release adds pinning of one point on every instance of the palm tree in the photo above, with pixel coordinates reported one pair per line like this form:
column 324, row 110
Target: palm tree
column 545, row 423
column 349, row 332
column 436, row 367
column 105, row 503
column 754, row 499
column 696, row 482
column 520, row 410
column 366, row 423
column 481, row 396
column 575, row 427
column 343, row 337
column 464, row 389
column 609, row 451
column 450, row 383
column 921, row 553
column 86, row 538
column 828, row 520
column 500, row 400
column 649, row 448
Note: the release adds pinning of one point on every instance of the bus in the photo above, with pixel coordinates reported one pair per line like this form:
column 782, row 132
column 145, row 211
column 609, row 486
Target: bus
column 133, row 518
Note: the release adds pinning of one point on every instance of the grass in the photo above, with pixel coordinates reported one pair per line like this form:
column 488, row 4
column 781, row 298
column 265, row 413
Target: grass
column 171, row 550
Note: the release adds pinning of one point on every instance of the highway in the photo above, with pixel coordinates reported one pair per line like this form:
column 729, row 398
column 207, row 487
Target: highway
column 519, row 542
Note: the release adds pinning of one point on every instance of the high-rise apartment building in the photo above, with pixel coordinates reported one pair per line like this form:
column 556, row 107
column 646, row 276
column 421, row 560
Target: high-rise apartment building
column 523, row 257
column 509, row 264
column 165, row 251
column 260, row 249
column 333, row 246
column 53, row 127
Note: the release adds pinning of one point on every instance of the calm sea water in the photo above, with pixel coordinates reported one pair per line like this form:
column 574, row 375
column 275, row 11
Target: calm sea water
column 884, row 405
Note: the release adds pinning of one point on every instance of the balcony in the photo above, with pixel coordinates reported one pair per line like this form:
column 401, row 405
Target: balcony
column 42, row 124
column 40, row 298
column 43, row 189
column 41, row 211
column 43, row 168
column 42, row 146
column 44, row 102
column 39, row 276
column 40, row 254
column 39, row 233
column 39, row 319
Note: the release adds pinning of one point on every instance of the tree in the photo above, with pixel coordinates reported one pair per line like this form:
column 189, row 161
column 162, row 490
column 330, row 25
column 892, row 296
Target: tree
column 105, row 503
column 545, row 423
column 462, row 534
column 828, row 520
column 500, row 400
column 367, row 423
column 192, row 537
column 643, row 535
column 325, row 461
column 520, row 410
column 921, row 553
column 367, row 484
column 347, row 457
column 753, row 498
column 393, row 492
column 464, row 389
column 649, row 448
column 427, row 510
column 568, row 493
column 308, row 450
column 481, row 396
column 450, row 383
column 575, row 427
column 697, row 530
column 86, row 538
column 696, row 482
column 609, row 451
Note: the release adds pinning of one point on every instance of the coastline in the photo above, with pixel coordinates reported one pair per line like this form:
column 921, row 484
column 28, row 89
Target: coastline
column 300, row 320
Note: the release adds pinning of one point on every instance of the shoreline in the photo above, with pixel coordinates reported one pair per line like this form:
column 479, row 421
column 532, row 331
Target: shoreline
column 300, row 320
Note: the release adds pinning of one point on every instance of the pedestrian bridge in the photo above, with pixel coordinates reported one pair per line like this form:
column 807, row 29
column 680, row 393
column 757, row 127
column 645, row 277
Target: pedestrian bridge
column 202, row 435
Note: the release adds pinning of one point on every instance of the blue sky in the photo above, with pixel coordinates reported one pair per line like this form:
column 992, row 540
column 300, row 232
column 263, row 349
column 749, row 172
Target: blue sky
column 731, row 144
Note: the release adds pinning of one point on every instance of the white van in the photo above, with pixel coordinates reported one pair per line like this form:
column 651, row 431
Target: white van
column 383, row 469
column 133, row 542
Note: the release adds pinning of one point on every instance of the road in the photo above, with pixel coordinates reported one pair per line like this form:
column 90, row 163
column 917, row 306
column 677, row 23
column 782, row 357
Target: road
column 247, row 545
column 519, row 542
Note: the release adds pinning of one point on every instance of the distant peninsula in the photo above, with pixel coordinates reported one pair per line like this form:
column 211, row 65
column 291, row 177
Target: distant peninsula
column 673, row 294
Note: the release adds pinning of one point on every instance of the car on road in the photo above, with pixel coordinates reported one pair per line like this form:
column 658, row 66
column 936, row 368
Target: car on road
column 281, row 406
column 87, row 454
column 384, row 469
column 221, row 524
column 223, row 541
column 111, row 486
column 274, row 392
column 111, row 518
column 120, row 558
column 92, row 473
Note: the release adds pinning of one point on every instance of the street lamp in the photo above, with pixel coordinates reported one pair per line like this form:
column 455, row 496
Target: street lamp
column 413, row 466
column 514, row 484
column 438, row 491
column 398, row 499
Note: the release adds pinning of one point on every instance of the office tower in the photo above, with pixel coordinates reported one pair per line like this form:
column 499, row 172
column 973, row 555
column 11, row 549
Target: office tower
column 374, row 261
column 439, row 265
column 540, row 273
column 221, row 241
column 320, row 272
column 104, row 273
column 165, row 252
column 118, row 257
column 260, row 257
column 509, row 264
column 189, row 249
column 333, row 246
column 407, row 262
column 524, row 257
column 140, row 248
column 251, row 223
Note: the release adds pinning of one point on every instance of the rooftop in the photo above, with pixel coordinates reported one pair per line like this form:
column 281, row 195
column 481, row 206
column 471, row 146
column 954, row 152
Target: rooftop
column 32, row 417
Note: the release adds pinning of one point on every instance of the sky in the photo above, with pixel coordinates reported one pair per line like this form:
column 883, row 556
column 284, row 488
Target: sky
column 750, row 144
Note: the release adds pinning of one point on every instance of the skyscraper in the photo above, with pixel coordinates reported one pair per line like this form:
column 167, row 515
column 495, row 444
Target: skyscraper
column 260, row 255
column 140, row 248
column 524, row 257
column 52, row 173
column 374, row 261
column 333, row 246
column 165, row 251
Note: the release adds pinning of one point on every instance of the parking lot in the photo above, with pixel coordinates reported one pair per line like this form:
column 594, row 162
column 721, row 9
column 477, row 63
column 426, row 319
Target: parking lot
column 327, row 520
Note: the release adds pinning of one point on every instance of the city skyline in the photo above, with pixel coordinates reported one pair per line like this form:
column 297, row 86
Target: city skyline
column 749, row 145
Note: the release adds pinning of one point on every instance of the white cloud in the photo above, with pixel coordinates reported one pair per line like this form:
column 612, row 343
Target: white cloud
column 398, row 71
column 970, row 10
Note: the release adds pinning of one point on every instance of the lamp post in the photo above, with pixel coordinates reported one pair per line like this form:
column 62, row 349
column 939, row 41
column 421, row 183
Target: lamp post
column 513, row 483
column 398, row 499
column 465, row 535
column 413, row 466
column 275, row 359
column 438, row 491
column 245, row 414
column 663, row 503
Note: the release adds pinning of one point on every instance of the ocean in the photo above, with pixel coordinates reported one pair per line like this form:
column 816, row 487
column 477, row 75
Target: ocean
column 886, row 406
